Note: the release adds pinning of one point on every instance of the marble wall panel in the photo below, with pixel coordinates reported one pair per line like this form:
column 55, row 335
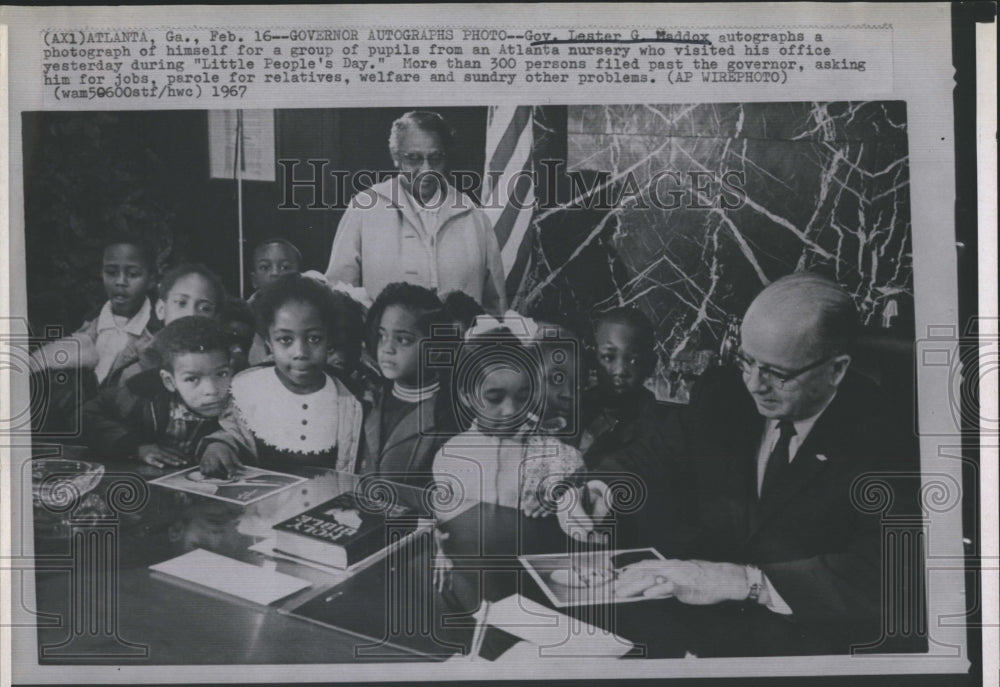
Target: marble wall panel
column 817, row 186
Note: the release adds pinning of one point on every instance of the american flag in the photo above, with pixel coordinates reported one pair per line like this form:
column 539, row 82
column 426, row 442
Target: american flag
column 508, row 189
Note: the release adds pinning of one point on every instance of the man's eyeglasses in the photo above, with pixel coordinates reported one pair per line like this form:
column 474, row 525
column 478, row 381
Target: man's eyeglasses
column 770, row 376
column 417, row 159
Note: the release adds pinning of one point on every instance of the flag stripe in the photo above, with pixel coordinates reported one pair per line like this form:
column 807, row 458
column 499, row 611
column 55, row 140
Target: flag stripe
column 515, row 207
column 508, row 191
column 508, row 142
column 499, row 196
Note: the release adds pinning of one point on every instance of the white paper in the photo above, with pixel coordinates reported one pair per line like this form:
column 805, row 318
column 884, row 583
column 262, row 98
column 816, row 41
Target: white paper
column 553, row 633
column 257, row 149
column 231, row 576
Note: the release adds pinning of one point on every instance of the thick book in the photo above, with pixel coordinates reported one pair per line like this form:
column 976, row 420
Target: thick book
column 344, row 530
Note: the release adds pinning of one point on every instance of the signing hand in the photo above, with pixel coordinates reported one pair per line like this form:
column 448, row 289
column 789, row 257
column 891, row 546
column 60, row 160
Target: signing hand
column 219, row 460
column 160, row 456
column 691, row 582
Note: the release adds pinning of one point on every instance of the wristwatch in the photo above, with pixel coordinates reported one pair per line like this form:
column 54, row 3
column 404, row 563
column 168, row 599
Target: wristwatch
column 755, row 581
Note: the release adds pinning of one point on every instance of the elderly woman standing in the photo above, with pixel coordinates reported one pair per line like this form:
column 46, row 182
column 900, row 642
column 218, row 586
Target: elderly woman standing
column 417, row 228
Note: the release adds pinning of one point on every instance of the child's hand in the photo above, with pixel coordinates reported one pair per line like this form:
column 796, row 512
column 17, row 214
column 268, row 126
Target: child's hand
column 219, row 460
column 159, row 456
column 532, row 507
column 574, row 515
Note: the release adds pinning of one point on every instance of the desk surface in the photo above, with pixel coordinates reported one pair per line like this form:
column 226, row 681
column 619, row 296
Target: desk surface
column 386, row 611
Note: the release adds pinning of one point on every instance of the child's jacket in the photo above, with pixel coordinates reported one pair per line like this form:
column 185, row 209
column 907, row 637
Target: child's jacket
column 119, row 420
column 406, row 453
column 606, row 433
column 79, row 350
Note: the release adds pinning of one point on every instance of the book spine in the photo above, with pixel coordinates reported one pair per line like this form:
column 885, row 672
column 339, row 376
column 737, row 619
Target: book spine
column 378, row 538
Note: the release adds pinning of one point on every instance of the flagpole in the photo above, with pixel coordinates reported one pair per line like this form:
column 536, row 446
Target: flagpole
column 239, row 164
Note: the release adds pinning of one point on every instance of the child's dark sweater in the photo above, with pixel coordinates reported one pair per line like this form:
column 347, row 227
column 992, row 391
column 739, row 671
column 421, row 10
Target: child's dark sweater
column 609, row 429
column 120, row 420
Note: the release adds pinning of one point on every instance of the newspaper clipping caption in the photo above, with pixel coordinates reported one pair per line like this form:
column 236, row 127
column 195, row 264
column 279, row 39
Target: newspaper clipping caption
column 226, row 64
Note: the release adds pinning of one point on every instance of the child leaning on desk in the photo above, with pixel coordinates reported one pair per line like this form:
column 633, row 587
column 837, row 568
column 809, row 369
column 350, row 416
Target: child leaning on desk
column 161, row 415
column 293, row 412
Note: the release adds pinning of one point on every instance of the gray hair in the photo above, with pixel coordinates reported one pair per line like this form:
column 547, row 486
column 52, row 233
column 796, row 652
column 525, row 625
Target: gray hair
column 431, row 122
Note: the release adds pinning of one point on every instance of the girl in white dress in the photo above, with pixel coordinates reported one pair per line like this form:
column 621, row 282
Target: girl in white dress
column 293, row 412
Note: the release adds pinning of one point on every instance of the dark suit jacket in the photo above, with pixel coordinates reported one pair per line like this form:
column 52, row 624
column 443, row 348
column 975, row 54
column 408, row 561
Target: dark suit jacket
column 819, row 538
column 407, row 453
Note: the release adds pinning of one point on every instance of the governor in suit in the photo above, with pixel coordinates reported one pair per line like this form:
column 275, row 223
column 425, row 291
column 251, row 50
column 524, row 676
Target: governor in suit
column 773, row 457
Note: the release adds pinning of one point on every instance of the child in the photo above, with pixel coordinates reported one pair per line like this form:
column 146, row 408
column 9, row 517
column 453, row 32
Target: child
column 617, row 410
column 293, row 412
column 115, row 338
column 462, row 310
column 347, row 359
column 189, row 289
column 411, row 417
column 273, row 258
column 559, row 346
column 160, row 416
column 499, row 459
column 236, row 318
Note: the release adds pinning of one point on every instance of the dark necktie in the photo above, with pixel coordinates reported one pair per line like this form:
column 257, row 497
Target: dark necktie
column 778, row 462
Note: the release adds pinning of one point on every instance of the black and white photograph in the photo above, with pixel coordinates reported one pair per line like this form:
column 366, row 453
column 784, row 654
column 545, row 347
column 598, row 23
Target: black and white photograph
column 244, row 487
column 588, row 579
column 333, row 391
column 698, row 283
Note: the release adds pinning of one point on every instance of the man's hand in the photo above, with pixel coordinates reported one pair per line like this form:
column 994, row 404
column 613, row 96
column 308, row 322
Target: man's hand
column 160, row 456
column 691, row 582
column 578, row 510
column 219, row 460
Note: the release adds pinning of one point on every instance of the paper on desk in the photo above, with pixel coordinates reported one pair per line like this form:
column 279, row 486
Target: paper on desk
column 552, row 633
column 231, row 576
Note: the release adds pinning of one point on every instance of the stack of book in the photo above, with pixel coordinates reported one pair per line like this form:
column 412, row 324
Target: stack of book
column 344, row 531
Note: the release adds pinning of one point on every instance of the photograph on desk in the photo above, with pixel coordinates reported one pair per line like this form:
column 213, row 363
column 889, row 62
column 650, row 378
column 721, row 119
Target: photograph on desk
column 247, row 486
column 687, row 331
column 588, row 578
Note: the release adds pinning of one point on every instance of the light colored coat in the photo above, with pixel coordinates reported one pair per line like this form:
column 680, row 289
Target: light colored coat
column 381, row 240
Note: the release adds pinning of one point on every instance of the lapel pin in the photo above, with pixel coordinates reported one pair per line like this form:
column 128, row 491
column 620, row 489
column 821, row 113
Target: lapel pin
column 820, row 457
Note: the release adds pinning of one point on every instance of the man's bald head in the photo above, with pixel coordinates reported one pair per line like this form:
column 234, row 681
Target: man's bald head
column 811, row 309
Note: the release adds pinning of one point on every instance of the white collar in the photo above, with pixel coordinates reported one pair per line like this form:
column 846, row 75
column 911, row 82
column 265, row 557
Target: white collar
column 802, row 427
column 415, row 395
column 135, row 326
